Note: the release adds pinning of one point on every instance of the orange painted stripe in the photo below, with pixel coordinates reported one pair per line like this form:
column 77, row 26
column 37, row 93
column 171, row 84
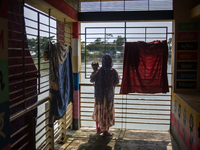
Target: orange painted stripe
column 64, row 7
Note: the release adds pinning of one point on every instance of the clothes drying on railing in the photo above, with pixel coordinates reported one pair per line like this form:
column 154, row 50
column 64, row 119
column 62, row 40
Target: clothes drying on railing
column 145, row 67
column 60, row 79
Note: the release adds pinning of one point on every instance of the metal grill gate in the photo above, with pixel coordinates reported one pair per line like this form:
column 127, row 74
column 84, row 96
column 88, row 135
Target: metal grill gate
column 132, row 111
column 27, row 38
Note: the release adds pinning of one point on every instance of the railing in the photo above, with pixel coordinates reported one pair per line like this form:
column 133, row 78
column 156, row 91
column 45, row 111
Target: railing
column 39, row 135
column 132, row 111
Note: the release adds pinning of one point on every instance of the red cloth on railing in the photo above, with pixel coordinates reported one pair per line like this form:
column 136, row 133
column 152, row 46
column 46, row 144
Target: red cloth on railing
column 145, row 67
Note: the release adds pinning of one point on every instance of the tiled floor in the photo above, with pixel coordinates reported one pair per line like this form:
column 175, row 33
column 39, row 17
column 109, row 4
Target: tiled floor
column 86, row 139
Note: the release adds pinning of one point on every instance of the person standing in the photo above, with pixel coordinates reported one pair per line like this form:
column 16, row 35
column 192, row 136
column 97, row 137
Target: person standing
column 95, row 66
column 105, row 81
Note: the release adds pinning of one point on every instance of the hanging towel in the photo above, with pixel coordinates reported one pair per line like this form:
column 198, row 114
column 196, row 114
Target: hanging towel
column 60, row 79
column 145, row 67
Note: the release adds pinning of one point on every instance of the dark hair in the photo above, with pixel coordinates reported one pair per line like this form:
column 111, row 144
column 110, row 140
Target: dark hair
column 94, row 63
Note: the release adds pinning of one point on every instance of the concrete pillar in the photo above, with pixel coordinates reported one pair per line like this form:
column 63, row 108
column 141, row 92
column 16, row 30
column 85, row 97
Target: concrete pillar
column 75, row 65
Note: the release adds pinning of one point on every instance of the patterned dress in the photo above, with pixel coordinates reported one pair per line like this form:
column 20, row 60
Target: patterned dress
column 105, row 82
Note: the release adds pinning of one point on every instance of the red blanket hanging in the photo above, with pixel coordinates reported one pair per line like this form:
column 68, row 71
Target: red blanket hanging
column 145, row 67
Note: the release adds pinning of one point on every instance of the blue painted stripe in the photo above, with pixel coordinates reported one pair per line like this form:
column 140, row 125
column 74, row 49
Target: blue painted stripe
column 76, row 81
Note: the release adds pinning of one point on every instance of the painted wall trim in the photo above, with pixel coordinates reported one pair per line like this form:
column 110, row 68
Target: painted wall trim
column 63, row 7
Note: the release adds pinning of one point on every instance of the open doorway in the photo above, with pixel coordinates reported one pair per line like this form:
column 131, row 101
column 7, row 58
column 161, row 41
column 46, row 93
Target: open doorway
column 133, row 111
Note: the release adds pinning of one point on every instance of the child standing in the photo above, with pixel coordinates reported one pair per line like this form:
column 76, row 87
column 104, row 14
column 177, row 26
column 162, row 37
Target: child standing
column 95, row 66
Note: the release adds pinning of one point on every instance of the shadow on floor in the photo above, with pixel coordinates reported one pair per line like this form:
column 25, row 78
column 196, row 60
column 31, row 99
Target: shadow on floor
column 96, row 142
column 86, row 139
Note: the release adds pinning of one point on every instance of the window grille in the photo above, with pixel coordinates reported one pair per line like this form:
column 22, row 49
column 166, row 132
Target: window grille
column 29, row 30
column 133, row 110
column 124, row 5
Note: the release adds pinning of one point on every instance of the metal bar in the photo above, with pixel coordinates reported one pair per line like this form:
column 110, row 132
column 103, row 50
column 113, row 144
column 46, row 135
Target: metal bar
column 156, row 123
column 69, row 110
column 42, row 136
column 57, row 138
column 57, row 128
column 134, row 117
column 24, row 127
column 14, row 22
column 69, row 116
column 31, row 27
column 23, row 39
column 44, row 69
column 143, row 113
column 41, row 122
column 57, row 132
column 132, row 113
column 14, row 31
column 48, row 32
column 42, row 114
column 41, row 129
column 45, row 82
column 43, row 142
column 145, row 35
column 105, row 41
column 30, row 19
column 132, row 108
column 56, row 122
column 21, row 90
column 132, row 99
column 23, row 145
column 138, row 94
column 15, row 98
column 17, row 115
column 44, row 86
column 127, row 27
column 126, row 33
column 85, row 50
column 19, row 140
column 38, row 23
column 67, row 125
column 27, row 99
column 46, row 146
column 16, row 91
column 44, row 76
column 70, row 120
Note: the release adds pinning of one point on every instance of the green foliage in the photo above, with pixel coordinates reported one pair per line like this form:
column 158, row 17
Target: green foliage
column 169, row 42
column 33, row 44
column 115, row 48
column 120, row 43
column 97, row 45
